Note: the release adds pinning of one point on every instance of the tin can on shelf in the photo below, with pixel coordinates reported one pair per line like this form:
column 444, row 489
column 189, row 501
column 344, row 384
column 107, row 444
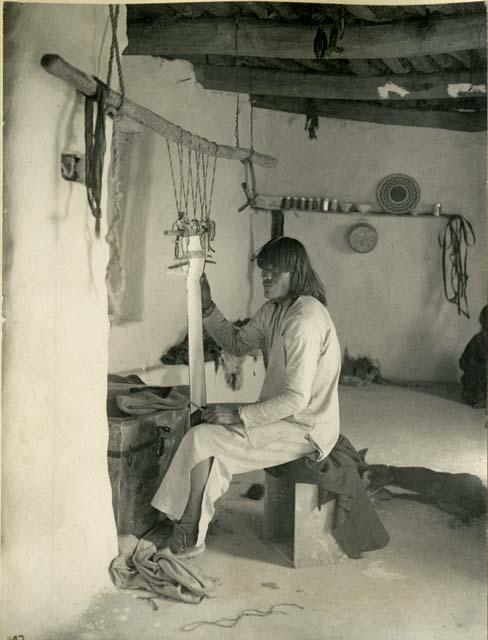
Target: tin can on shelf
column 437, row 209
column 302, row 203
column 316, row 204
column 324, row 205
column 295, row 202
column 310, row 202
column 286, row 203
column 333, row 205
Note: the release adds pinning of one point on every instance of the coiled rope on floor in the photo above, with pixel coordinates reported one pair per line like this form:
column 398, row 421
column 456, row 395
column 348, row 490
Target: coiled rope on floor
column 227, row 623
column 455, row 239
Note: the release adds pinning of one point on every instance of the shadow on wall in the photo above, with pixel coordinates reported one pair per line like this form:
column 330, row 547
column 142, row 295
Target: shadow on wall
column 339, row 239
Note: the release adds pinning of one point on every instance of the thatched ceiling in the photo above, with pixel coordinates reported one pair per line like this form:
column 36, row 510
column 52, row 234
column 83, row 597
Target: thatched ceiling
column 414, row 65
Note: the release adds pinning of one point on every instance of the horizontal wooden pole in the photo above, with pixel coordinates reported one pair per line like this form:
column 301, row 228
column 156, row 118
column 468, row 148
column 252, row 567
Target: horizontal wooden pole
column 56, row 66
column 267, row 39
column 406, row 117
column 340, row 87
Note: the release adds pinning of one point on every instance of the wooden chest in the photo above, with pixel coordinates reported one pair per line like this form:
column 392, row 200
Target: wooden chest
column 139, row 452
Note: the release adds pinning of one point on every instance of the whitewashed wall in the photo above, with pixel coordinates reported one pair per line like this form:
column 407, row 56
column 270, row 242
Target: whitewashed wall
column 57, row 523
column 169, row 89
column 388, row 303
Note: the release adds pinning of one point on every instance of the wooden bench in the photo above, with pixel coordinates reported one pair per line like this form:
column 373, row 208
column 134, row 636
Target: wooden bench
column 295, row 527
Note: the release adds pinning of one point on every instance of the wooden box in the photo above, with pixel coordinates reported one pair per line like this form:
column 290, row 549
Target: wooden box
column 139, row 452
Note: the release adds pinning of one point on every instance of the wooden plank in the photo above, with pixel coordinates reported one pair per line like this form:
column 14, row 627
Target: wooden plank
column 381, row 115
column 338, row 87
column 263, row 38
column 56, row 66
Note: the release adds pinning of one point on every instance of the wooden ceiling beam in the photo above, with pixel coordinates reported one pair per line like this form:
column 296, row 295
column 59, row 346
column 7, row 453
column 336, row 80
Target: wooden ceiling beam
column 396, row 66
column 445, row 61
column 340, row 87
column 423, row 64
column 361, row 68
column 464, row 57
column 267, row 39
column 365, row 13
column 380, row 115
column 259, row 8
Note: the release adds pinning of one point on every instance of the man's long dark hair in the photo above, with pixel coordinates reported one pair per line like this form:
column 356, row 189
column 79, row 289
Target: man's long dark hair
column 290, row 256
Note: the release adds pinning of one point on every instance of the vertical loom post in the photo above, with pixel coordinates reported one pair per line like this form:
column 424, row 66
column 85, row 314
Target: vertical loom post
column 196, row 263
column 277, row 223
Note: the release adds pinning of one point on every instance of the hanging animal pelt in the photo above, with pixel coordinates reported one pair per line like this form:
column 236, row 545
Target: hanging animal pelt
column 212, row 352
column 323, row 44
column 311, row 119
column 360, row 371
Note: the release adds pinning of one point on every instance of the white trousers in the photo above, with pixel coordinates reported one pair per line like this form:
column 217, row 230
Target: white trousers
column 232, row 453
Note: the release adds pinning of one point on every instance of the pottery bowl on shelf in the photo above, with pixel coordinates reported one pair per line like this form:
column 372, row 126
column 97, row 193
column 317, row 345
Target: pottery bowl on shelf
column 345, row 206
column 364, row 207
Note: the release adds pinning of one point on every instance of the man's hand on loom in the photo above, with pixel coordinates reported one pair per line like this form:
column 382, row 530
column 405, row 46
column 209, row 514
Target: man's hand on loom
column 226, row 416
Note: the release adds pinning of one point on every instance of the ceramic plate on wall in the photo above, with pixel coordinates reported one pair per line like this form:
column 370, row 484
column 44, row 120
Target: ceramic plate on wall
column 398, row 193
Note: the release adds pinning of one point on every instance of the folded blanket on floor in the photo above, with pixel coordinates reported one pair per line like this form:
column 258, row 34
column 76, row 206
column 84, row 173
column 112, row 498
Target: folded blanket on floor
column 144, row 402
column 357, row 527
column 141, row 566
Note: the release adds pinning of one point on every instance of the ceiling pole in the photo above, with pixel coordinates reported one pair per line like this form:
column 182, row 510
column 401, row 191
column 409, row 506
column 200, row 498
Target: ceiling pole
column 55, row 65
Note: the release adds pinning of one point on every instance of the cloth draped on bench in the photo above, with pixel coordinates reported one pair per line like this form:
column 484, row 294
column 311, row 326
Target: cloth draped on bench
column 357, row 527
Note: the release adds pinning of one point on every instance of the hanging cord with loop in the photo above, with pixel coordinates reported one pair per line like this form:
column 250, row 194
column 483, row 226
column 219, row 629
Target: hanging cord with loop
column 454, row 240
column 115, row 52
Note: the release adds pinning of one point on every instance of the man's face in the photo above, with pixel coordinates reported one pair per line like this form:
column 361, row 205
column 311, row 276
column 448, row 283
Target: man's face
column 276, row 284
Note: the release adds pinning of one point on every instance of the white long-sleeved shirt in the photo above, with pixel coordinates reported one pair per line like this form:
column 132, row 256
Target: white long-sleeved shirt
column 303, row 360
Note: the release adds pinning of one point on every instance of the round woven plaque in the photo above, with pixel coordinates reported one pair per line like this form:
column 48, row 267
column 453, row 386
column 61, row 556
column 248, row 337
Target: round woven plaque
column 398, row 193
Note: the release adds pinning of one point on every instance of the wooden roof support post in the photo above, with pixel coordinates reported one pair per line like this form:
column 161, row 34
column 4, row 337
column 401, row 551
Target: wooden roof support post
column 56, row 66
column 277, row 223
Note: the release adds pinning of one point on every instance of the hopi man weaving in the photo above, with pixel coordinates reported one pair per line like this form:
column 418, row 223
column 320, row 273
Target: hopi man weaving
column 297, row 414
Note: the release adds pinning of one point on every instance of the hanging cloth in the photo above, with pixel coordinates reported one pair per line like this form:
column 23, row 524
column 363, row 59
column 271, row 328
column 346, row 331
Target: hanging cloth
column 95, row 146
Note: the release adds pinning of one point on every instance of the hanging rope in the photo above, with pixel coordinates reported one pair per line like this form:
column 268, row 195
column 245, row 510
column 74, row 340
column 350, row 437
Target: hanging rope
column 95, row 146
column 95, row 142
column 236, row 125
column 115, row 52
column 454, row 241
column 251, row 114
column 115, row 276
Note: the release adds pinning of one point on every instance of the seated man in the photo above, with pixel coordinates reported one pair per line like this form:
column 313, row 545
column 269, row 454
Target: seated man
column 297, row 413
column 473, row 366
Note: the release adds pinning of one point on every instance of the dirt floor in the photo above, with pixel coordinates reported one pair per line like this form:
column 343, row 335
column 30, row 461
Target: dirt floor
column 428, row 583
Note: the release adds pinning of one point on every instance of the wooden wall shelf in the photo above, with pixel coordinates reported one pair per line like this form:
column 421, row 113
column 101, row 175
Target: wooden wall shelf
column 269, row 203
